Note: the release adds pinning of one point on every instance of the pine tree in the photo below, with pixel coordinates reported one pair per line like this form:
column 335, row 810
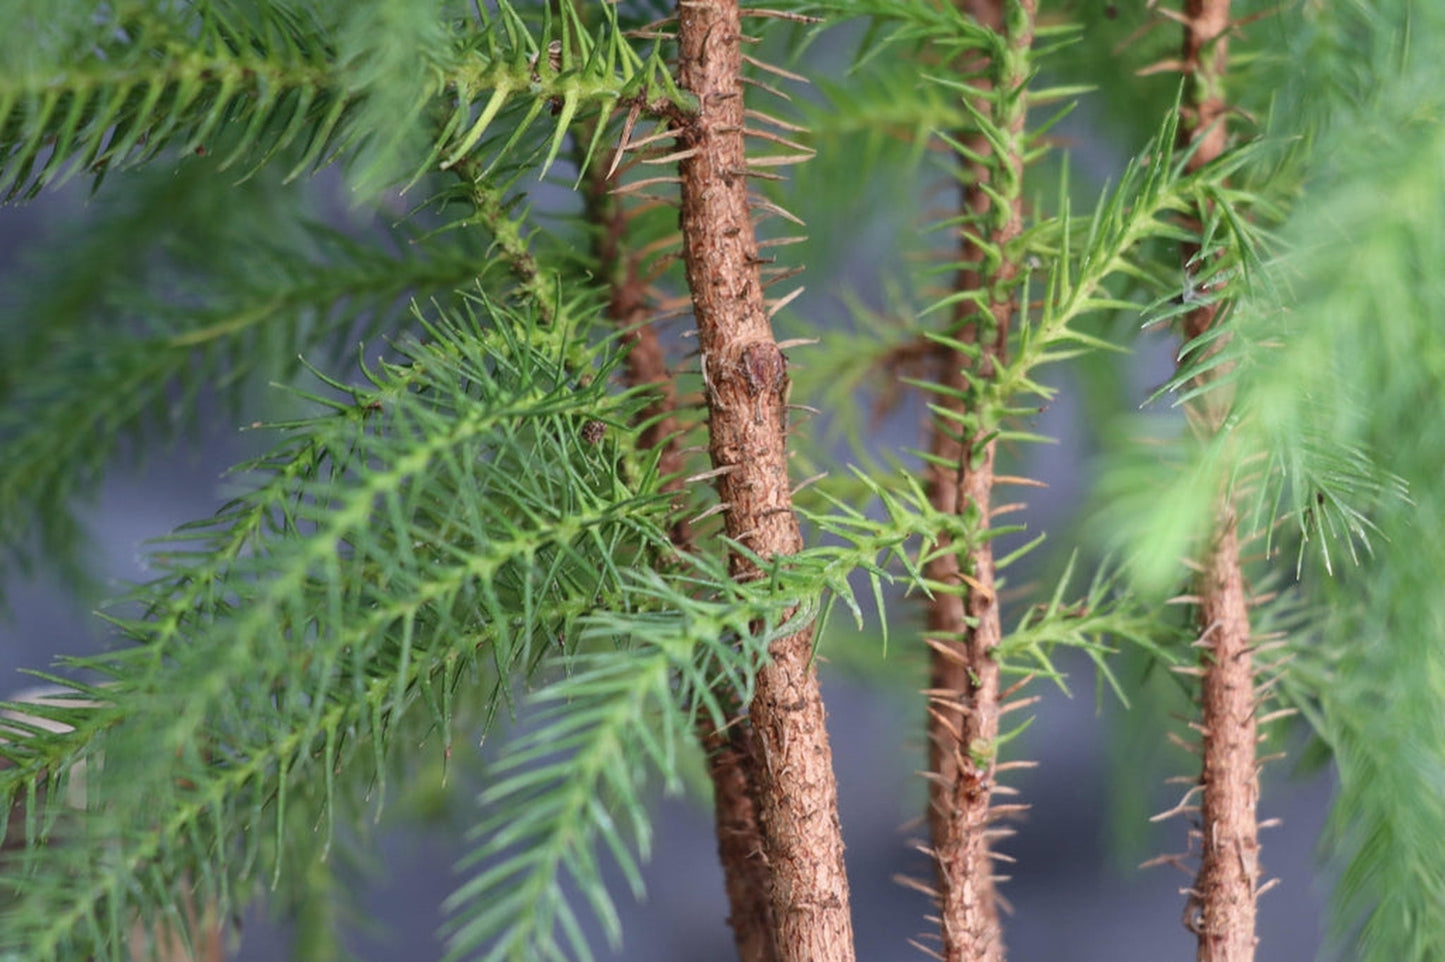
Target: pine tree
column 570, row 476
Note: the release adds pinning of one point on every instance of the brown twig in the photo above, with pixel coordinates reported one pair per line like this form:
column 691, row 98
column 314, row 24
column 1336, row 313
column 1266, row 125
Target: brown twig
column 963, row 626
column 732, row 755
column 1221, row 907
column 746, row 383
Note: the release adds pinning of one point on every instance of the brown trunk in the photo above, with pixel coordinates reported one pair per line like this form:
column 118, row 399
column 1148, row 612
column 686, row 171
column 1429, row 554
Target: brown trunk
column 963, row 729
column 746, row 381
column 963, row 626
column 963, row 677
column 1221, row 909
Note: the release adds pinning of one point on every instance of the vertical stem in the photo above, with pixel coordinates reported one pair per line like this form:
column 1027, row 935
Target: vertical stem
column 746, row 382
column 731, row 752
column 963, row 626
column 732, row 756
column 491, row 213
column 628, row 307
column 1222, row 903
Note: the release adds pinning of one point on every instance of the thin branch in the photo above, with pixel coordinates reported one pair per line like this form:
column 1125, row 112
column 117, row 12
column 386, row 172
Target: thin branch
column 963, row 626
column 491, row 213
column 1221, row 906
column 746, row 391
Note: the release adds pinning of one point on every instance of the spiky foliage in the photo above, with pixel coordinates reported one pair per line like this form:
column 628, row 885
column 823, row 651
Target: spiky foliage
column 1298, row 467
column 343, row 584
column 252, row 87
column 1024, row 287
column 488, row 517
column 1320, row 480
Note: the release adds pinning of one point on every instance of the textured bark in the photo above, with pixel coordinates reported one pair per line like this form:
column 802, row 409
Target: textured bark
column 732, row 759
column 1202, row 128
column 731, row 752
column 963, row 729
column 1204, row 58
column 746, row 384
column 963, row 626
column 963, row 677
column 1223, row 902
column 1221, row 910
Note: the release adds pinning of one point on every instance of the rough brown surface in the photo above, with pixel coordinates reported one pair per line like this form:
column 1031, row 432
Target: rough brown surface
column 1222, row 906
column 1203, row 111
column 963, row 679
column 963, row 627
column 732, row 760
column 746, row 383
column 963, row 728
column 1204, row 58
column 1221, row 909
column 629, row 306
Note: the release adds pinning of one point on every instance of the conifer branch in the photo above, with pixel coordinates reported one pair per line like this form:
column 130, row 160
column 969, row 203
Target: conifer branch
column 436, row 520
column 963, row 627
column 492, row 211
column 250, row 89
column 500, row 502
column 746, row 383
column 1221, row 908
column 71, row 402
column 155, row 82
column 624, row 275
